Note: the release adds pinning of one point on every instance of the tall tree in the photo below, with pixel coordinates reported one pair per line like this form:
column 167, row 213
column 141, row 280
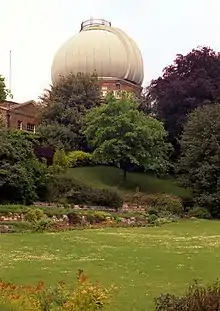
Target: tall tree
column 190, row 82
column 65, row 105
column 199, row 165
column 122, row 135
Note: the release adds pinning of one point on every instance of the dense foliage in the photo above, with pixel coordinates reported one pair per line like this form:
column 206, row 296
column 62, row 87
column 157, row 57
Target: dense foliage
column 197, row 298
column 199, row 165
column 85, row 295
column 65, row 105
column 79, row 158
column 63, row 188
column 191, row 81
column 122, row 135
column 22, row 176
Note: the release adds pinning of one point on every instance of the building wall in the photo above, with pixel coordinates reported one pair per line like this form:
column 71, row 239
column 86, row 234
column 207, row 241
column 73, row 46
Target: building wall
column 118, row 85
column 25, row 117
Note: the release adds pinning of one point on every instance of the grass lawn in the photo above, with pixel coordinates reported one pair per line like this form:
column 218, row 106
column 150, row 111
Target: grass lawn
column 104, row 177
column 142, row 262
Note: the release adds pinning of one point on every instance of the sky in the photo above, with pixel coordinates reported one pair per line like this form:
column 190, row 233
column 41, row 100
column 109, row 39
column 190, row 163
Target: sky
column 34, row 29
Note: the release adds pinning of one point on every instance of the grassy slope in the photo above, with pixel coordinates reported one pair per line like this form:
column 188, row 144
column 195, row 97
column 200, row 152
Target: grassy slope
column 142, row 262
column 102, row 176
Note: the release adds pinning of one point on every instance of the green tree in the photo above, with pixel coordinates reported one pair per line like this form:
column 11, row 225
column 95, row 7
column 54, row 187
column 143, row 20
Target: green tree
column 199, row 165
column 4, row 92
column 122, row 135
column 21, row 174
column 65, row 105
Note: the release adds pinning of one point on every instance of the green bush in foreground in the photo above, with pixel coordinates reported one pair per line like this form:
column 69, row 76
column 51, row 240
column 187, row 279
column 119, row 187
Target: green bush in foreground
column 196, row 298
column 84, row 296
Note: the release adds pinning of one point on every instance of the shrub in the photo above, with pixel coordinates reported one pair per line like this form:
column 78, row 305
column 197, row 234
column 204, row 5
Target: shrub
column 163, row 203
column 84, row 296
column 60, row 158
column 152, row 219
column 42, row 225
column 196, row 298
column 34, row 215
column 199, row 212
column 95, row 197
column 74, row 218
column 79, row 158
column 60, row 185
column 152, row 211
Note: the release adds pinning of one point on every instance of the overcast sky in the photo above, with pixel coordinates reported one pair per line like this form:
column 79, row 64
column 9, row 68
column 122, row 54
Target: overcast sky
column 35, row 29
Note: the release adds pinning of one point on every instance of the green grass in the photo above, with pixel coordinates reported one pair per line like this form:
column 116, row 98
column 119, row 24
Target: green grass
column 142, row 262
column 104, row 177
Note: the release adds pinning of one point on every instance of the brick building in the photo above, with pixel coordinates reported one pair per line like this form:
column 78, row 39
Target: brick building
column 23, row 116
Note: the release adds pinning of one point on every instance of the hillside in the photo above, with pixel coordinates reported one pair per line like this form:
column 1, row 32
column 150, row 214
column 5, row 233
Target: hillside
column 110, row 177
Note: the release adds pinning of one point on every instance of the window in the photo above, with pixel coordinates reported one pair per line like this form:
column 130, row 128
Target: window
column 19, row 126
column 118, row 86
column 31, row 127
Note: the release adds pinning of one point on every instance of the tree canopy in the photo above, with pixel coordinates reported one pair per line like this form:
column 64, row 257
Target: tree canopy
column 199, row 164
column 190, row 82
column 21, row 174
column 122, row 135
column 65, row 105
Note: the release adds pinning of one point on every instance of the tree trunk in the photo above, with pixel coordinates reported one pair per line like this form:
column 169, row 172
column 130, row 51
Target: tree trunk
column 124, row 175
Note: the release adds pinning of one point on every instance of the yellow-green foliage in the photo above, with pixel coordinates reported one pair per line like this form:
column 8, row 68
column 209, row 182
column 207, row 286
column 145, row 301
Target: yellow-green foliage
column 34, row 215
column 85, row 296
column 60, row 158
column 79, row 158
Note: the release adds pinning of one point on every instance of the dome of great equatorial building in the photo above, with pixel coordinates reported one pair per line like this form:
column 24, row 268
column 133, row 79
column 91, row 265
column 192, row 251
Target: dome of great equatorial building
column 103, row 49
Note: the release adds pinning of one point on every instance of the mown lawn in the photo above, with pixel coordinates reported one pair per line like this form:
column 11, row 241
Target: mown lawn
column 142, row 262
column 111, row 177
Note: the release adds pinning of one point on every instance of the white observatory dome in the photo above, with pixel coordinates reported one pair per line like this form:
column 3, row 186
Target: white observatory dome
column 99, row 48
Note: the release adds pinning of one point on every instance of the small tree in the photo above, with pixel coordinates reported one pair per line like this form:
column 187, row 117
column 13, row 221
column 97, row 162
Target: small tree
column 199, row 165
column 122, row 135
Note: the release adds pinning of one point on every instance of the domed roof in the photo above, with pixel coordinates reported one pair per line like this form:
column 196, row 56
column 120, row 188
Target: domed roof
column 99, row 47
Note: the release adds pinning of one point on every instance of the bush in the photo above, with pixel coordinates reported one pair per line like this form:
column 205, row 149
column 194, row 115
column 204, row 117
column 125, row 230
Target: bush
column 34, row 215
column 84, row 296
column 60, row 158
column 74, row 218
column 163, row 203
column 60, row 185
column 96, row 217
column 152, row 219
column 79, row 158
column 42, row 225
column 199, row 212
column 95, row 197
column 196, row 298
